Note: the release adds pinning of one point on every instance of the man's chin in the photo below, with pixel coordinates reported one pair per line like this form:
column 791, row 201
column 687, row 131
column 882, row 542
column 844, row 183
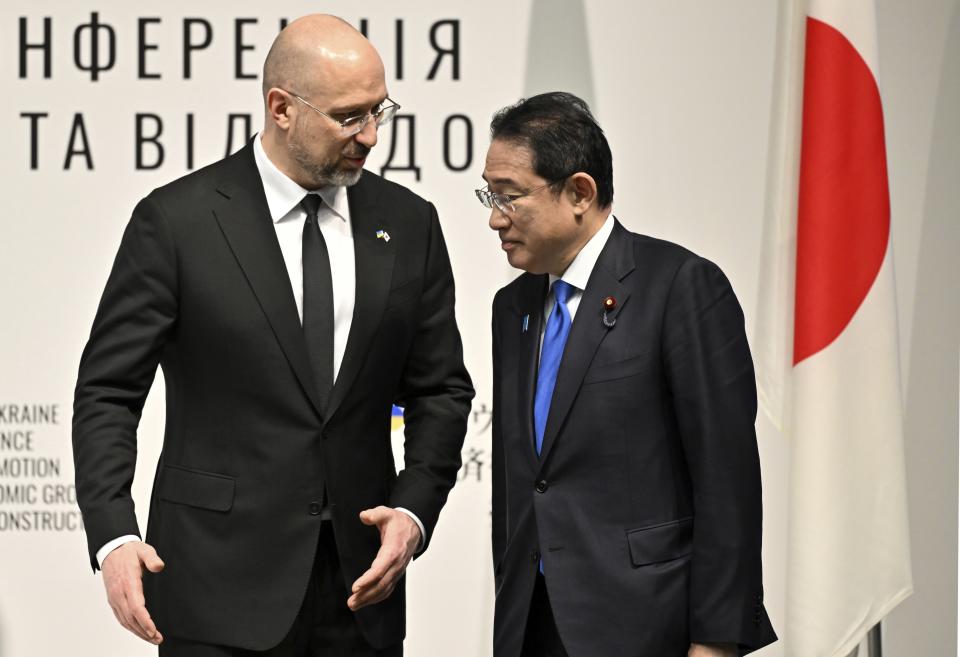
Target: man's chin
column 345, row 178
column 353, row 178
column 516, row 260
column 331, row 176
column 521, row 261
column 339, row 178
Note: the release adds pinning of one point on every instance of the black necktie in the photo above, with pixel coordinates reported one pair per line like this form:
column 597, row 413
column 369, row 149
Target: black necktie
column 317, row 300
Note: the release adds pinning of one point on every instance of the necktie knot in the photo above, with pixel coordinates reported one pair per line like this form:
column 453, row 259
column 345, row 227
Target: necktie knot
column 562, row 291
column 311, row 205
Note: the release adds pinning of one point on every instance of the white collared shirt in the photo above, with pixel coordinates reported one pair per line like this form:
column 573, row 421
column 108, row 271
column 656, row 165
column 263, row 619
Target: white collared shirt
column 578, row 273
column 283, row 200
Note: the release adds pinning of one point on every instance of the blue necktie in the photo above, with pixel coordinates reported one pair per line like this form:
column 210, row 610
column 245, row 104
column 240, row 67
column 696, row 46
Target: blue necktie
column 554, row 338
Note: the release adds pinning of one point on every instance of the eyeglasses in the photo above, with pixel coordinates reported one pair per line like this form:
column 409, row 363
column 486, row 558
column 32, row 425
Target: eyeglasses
column 381, row 115
column 504, row 202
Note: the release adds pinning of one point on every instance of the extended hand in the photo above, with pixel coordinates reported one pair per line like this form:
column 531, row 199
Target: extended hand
column 399, row 538
column 712, row 650
column 122, row 574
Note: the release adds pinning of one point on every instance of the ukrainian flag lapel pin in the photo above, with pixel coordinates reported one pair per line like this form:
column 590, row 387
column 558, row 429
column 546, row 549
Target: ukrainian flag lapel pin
column 383, row 235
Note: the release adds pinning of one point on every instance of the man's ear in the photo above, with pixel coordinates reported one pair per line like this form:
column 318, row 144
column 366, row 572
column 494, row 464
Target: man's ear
column 581, row 189
column 278, row 108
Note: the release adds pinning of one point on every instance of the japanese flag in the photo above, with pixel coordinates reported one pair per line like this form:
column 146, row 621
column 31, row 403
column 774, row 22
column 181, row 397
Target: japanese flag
column 826, row 346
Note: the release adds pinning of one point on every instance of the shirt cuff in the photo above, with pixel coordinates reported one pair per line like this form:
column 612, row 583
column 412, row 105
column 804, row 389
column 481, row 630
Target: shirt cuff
column 423, row 534
column 113, row 545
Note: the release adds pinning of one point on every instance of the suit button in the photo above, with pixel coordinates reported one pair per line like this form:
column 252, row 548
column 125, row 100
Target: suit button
column 535, row 556
column 542, row 486
column 314, row 508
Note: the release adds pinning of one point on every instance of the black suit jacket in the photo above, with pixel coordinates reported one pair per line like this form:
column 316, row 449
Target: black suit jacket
column 644, row 504
column 199, row 287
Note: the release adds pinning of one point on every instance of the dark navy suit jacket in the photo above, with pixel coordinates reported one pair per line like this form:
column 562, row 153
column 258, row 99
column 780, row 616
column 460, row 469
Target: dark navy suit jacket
column 645, row 503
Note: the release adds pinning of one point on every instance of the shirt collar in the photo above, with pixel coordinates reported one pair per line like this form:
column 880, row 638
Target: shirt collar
column 578, row 272
column 284, row 195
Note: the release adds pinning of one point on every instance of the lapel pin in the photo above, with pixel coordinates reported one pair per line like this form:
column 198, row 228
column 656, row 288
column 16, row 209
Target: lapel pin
column 383, row 235
column 526, row 323
column 609, row 304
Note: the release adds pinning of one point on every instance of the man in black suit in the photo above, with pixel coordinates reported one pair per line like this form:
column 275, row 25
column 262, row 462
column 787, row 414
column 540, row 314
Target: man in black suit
column 291, row 298
column 626, row 489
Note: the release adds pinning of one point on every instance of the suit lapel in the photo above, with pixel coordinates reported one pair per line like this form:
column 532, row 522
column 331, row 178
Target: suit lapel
column 374, row 272
column 529, row 304
column 588, row 331
column 244, row 218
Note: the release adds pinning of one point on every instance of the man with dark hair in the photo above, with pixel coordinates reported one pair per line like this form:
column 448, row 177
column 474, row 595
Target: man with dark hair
column 626, row 486
column 291, row 297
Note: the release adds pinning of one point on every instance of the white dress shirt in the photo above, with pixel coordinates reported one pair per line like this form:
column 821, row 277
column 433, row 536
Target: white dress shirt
column 283, row 201
column 577, row 274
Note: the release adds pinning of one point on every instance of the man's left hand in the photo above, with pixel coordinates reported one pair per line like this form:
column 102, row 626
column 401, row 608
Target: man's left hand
column 399, row 539
column 712, row 650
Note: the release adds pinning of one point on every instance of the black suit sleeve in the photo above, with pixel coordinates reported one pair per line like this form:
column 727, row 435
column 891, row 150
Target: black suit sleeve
column 436, row 391
column 137, row 311
column 711, row 381
column 499, row 483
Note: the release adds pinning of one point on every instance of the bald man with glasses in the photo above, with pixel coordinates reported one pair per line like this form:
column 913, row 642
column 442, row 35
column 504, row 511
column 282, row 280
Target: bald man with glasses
column 291, row 299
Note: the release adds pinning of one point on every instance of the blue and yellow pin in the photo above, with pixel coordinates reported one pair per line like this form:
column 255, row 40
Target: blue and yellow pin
column 385, row 236
column 396, row 418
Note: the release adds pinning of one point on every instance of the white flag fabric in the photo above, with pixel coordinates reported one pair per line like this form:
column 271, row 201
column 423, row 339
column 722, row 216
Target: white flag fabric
column 827, row 350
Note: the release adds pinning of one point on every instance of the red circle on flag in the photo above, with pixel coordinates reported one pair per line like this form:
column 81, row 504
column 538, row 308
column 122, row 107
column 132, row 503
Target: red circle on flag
column 843, row 213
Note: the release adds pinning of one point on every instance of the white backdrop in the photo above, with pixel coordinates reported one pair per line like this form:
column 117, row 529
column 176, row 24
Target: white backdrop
column 684, row 92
